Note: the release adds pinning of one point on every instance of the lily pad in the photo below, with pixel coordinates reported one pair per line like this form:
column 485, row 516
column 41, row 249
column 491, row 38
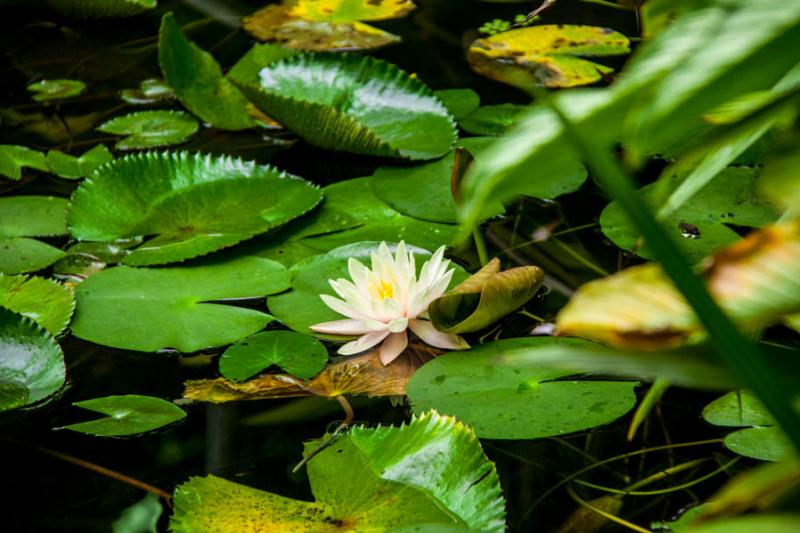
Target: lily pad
column 198, row 82
column 774, row 523
column 491, row 120
column 350, row 212
column 485, row 297
column 153, row 309
column 150, row 91
column 546, row 55
column 149, row 129
column 127, row 415
column 14, row 158
column 193, row 204
column 46, row 90
column 300, row 355
column 504, row 400
column 329, row 25
column 46, row 302
column 425, row 191
column 247, row 69
column 438, row 477
column 71, row 167
column 701, row 224
column 32, row 367
column 302, row 307
column 22, row 217
column 459, row 102
column 101, row 8
column 354, row 104
column 141, row 517
column 766, row 441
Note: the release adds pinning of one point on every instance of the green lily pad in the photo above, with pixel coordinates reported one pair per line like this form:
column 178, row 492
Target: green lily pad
column 701, row 224
column 302, row 307
column 425, row 191
column 141, row 517
column 84, row 259
column 504, row 400
column 127, row 415
column 193, row 204
column 22, row 217
column 329, row 25
column 485, row 297
column 101, row 8
column 32, row 366
column 546, row 55
column 247, row 69
column 459, row 102
column 300, row 355
column 492, row 120
column 198, row 82
column 150, row 91
column 149, row 129
column 433, row 476
column 71, row 167
column 46, row 90
column 46, row 302
column 350, row 212
column 14, row 158
column 367, row 106
column 774, row 523
column 148, row 309
column 741, row 408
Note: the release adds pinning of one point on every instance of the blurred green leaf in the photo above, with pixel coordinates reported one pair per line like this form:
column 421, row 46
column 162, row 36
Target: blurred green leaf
column 47, row 90
column 13, row 158
column 141, row 517
column 459, row 102
column 126, row 415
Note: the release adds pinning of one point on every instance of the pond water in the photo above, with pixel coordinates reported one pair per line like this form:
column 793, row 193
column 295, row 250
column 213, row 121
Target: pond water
column 258, row 443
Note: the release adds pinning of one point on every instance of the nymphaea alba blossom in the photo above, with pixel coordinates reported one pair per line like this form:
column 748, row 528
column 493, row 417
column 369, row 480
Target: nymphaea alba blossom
column 382, row 303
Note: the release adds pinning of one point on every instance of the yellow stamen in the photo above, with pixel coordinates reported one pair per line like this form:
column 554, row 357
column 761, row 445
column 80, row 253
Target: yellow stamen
column 385, row 290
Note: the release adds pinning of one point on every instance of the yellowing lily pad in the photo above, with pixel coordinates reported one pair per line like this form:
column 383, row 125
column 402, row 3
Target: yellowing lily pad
column 326, row 25
column 547, row 55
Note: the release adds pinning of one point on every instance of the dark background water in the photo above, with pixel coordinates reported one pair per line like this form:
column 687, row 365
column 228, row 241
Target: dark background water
column 253, row 443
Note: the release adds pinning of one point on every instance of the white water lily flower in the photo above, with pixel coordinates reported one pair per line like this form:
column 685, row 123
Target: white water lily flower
column 382, row 303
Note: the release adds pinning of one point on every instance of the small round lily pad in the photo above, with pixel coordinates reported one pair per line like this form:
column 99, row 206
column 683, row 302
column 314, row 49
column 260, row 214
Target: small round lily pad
column 149, row 129
column 46, row 90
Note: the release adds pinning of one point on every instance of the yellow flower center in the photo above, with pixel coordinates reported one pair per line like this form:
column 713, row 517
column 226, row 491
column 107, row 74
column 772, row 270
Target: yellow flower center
column 385, row 290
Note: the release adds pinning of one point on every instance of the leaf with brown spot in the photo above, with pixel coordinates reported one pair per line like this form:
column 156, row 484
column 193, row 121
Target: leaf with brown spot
column 547, row 55
column 363, row 374
column 326, row 25
column 485, row 297
column 756, row 282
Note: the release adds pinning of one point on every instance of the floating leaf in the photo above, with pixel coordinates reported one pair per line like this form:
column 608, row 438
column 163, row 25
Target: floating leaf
column 491, row 120
column 194, row 204
column 546, row 55
column 13, row 158
column 150, row 91
column 247, row 69
column 197, row 80
column 149, row 129
column 331, row 25
column 141, row 517
column 46, row 90
column 774, row 523
column 360, row 374
column 101, row 8
column 438, row 477
column 459, row 102
column 701, row 224
column 511, row 399
column 83, row 259
column 302, row 306
column 756, row 281
column 299, row 355
column 148, row 309
column 485, row 297
column 71, row 167
column 740, row 409
column 127, row 415
column 46, row 302
column 32, row 366
column 354, row 104
column 30, row 216
column 424, row 191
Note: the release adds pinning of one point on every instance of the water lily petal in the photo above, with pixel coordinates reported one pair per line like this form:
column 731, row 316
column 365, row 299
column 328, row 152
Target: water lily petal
column 344, row 308
column 393, row 346
column 347, row 326
column 364, row 342
column 397, row 325
column 430, row 335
